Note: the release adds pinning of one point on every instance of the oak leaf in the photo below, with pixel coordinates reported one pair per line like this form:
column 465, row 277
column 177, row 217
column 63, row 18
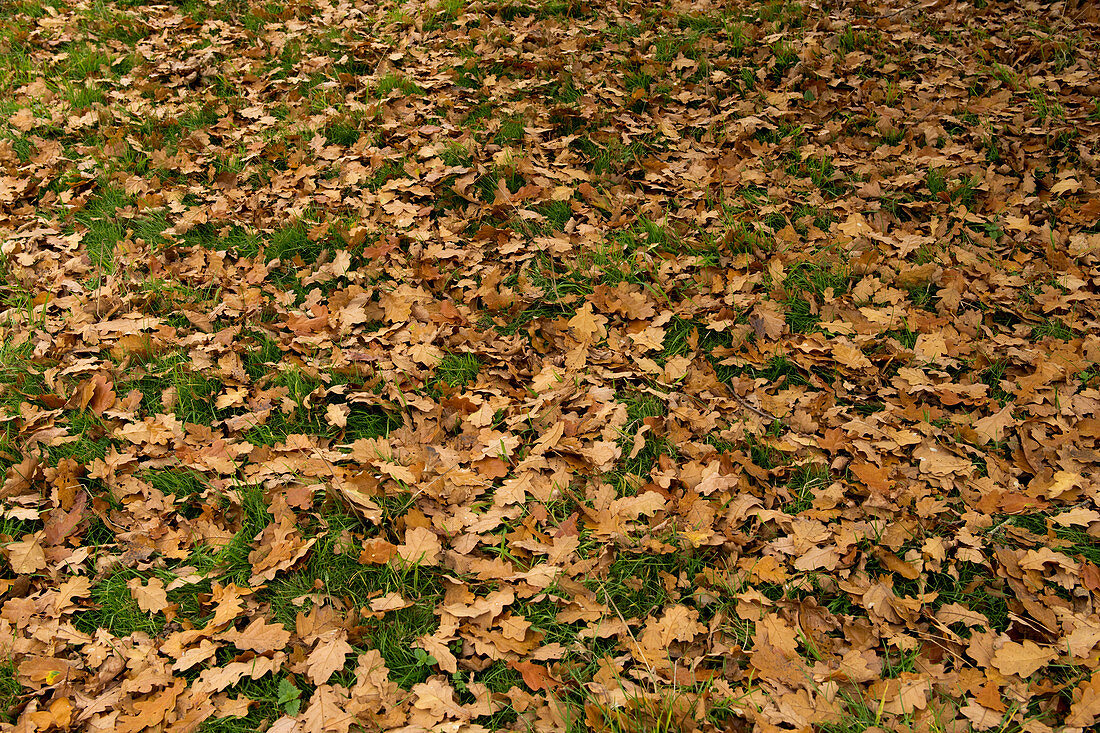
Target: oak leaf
column 27, row 555
column 1086, row 703
column 259, row 636
column 1022, row 659
column 328, row 656
column 421, row 547
column 535, row 676
column 151, row 597
column 327, row 712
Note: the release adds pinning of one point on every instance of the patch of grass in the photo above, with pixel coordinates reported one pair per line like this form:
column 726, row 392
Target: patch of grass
column 84, row 95
column 298, row 414
column 805, row 215
column 851, row 39
column 784, row 57
column 631, row 471
column 456, row 154
column 824, row 175
column 341, row 133
column 292, row 245
column 390, row 170
column 564, row 89
column 803, row 483
column 396, row 82
column 678, row 332
column 936, row 182
column 1077, row 543
column 248, row 507
column 266, row 707
column 893, row 136
column 458, row 370
column 91, row 442
column 1005, row 75
column 115, row 610
column 966, row 192
column 511, row 131
column 806, row 286
column 762, row 454
column 783, row 13
column 195, row 396
column 445, row 14
column 83, row 61
column 993, row 376
column 614, row 156
column 10, row 690
column 557, row 213
column 973, row 588
column 499, row 677
column 1052, row 328
column 182, row 483
column 235, row 239
column 1044, row 106
column 370, row 421
column 638, row 584
column 103, row 229
column 333, row 569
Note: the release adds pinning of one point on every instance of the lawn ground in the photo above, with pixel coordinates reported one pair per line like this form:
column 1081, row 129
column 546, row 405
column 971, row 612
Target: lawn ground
column 549, row 365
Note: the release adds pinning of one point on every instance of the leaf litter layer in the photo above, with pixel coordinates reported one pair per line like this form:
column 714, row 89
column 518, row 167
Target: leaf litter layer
column 549, row 365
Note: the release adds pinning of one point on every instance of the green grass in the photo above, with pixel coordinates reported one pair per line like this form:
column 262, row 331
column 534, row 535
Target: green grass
column 631, row 471
column 806, row 287
column 851, row 39
column 234, row 239
column 823, row 174
column 636, row 583
column 333, row 569
column 679, row 333
column 292, row 246
column 230, row 562
column 1074, row 541
column 171, row 377
column 395, row 82
column 511, row 131
column 784, row 57
column 802, row 485
column 1043, row 106
column 1051, row 328
column 103, row 229
column 20, row 380
column 341, row 133
column 369, row 421
column 10, row 690
column 263, row 357
column 265, row 694
column 114, row 609
column 183, row 483
column 458, row 370
column 91, row 442
column 936, row 182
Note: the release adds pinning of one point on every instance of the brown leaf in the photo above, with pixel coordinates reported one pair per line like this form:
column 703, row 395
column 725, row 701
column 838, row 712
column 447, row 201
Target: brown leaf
column 327, row 657
column 151, row 597
column 535, row 676
column 27, row 555
column 421, row 547
column 1022, row 659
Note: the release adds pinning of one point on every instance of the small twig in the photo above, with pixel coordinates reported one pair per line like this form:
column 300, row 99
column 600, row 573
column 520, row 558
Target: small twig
column 759, row 411
column 611, row 603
